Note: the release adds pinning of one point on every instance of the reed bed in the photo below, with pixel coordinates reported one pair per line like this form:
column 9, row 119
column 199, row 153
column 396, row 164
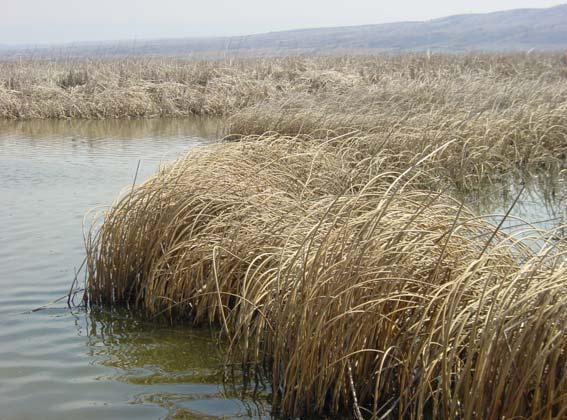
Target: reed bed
column 324, row 241
column 501, row 113
column 357, row 290
column 396, row 86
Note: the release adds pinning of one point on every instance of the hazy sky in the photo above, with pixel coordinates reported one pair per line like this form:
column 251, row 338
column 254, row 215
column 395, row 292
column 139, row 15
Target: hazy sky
column 46, row 21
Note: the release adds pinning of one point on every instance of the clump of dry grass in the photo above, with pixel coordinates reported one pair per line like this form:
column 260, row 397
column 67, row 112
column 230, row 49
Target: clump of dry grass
column 127, row 88
column 498, row 123
column 358, row 290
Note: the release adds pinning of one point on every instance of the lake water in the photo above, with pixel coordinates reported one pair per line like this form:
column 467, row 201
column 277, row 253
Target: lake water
column 57, row 363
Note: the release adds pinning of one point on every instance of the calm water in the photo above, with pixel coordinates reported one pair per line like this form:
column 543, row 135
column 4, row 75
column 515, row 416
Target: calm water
column 539, row 212
column 55, row 364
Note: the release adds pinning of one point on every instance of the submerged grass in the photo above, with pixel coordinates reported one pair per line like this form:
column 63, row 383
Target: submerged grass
column 361, row 290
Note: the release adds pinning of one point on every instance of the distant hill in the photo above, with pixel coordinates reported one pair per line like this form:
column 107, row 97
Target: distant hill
column 513, row 30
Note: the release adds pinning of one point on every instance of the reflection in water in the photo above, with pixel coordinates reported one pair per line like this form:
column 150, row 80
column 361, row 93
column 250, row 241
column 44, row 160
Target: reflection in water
column 154, row 354
column 205, row 128
column 541, row 203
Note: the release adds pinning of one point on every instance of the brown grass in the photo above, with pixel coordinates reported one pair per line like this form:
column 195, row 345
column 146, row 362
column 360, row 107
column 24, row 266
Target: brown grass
column 385, row 87
column 359, row 290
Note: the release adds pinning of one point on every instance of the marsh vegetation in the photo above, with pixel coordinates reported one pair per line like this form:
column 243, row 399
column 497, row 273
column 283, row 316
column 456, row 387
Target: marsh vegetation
column 497, row 112
column 359, row 289
column 323, row 234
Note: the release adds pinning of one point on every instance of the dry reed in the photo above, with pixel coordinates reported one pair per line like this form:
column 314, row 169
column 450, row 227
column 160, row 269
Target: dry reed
column 326, row 252
column 360, row 291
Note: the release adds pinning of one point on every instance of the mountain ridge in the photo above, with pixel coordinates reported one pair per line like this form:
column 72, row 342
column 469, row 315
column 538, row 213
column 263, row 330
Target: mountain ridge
column 504, row 31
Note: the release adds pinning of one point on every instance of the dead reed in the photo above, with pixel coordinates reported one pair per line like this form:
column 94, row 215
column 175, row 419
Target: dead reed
column 329, row 252
column 360, row 291
column 384, row 86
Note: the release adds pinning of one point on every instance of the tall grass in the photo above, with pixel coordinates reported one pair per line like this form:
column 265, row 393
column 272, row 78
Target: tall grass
column 357, row 289
column 394, row 86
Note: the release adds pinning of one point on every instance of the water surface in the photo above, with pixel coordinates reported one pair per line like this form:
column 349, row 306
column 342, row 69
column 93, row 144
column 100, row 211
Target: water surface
column 56, row 363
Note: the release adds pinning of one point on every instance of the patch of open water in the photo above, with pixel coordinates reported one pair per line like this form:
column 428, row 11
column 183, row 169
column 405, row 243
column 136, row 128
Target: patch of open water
column 56, row 364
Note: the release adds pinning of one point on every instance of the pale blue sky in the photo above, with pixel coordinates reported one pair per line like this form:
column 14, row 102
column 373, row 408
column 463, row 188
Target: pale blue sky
column 54, row 21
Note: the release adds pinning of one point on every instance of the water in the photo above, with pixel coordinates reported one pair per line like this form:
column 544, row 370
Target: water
column 56, row 363
column 535, row 213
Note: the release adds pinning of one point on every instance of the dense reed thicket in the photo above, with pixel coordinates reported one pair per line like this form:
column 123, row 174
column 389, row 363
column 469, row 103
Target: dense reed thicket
column 384, row 87
column 359, row 290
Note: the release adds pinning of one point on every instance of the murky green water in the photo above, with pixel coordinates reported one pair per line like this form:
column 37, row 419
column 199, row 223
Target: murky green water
column 57, row 364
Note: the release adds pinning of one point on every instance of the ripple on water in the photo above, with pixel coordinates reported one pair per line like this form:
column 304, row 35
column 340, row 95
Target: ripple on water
column 55, row 364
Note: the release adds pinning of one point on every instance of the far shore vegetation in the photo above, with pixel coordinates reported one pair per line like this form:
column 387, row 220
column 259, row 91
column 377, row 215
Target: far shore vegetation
column 494, row 113
column 323, row 234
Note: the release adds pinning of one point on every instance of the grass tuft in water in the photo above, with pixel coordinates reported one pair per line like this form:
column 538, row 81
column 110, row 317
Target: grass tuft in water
column 358, row 288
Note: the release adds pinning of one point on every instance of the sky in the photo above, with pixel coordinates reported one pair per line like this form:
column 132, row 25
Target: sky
column 67, row 21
